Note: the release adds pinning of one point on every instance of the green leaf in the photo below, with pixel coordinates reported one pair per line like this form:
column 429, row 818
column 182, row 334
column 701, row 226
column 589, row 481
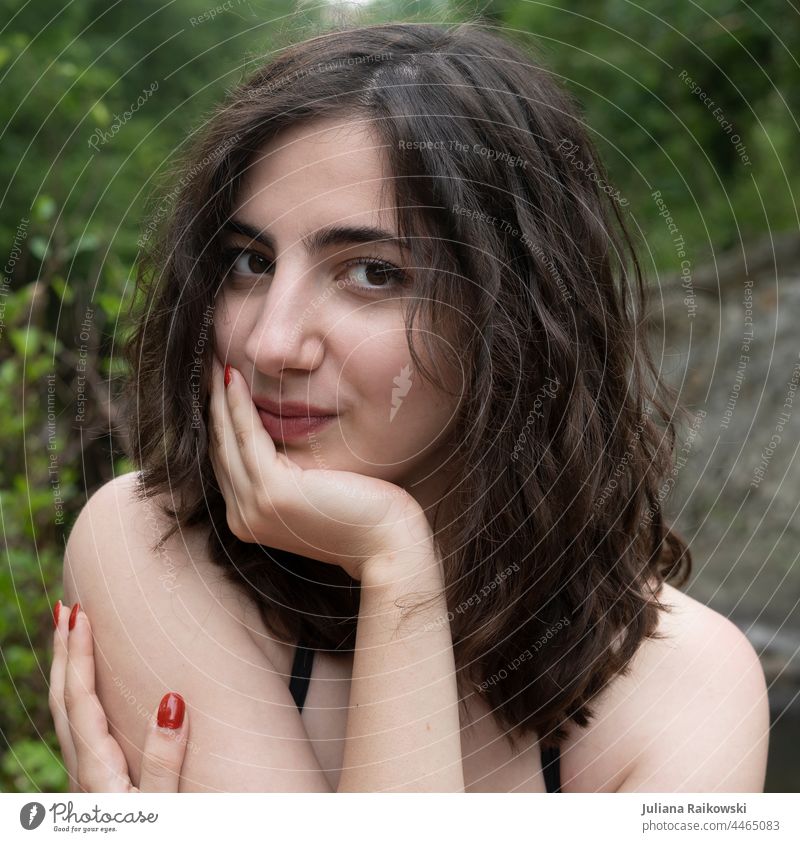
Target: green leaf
column 33, row 766
column 9, row 372
column 37, row 367
column 38, row 247
column 100, row 114
column 87, row 242
column 19, row 659
column 111, row 304
column 66, row 68
column 43, row 208
column 65, row 292
column 26, row 341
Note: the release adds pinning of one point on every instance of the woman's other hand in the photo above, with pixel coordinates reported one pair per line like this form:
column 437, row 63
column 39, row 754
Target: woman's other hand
column 338, row 517
column 93, row 758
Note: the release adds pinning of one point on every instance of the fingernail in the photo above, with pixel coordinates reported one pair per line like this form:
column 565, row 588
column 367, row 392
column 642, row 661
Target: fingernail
column 227, row 375
column 56, row 613
column 73, row 615
column 171, row 711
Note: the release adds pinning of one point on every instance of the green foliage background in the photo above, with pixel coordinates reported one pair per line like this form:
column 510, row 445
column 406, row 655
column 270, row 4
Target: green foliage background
column 70, row 216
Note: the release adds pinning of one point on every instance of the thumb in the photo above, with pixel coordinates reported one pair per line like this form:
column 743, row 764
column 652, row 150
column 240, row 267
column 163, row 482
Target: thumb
column 165, row 746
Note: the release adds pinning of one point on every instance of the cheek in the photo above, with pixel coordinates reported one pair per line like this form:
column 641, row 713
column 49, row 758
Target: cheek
column 396, row 415
column 376, row 365
column 229, row 330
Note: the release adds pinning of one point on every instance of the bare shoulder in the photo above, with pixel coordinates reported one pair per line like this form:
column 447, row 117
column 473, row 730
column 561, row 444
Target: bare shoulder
column 691, row 714
column 116, row 517
column 166, row 619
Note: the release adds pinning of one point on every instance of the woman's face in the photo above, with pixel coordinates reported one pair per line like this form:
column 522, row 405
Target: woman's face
column 322, row 323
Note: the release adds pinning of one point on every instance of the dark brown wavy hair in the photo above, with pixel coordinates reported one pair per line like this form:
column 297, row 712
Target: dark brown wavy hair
column 554, row 544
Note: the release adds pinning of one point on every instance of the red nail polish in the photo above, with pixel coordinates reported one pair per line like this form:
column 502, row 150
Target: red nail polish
column 227, row 375
column 73, row 615
column 56, row 613
column 171, row 711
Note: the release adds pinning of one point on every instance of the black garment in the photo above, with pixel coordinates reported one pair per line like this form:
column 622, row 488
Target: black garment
column 301, row 674
column 301, row 677
column 551, row 766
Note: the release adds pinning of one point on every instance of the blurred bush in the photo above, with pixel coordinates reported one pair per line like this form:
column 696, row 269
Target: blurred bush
column 666, row 89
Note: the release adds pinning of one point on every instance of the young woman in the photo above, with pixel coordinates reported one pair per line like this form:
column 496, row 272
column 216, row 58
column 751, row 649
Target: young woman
column 437, row 466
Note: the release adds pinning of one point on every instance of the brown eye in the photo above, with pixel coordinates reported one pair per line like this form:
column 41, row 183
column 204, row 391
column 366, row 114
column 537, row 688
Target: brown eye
column 375, row 276
column 243, row 262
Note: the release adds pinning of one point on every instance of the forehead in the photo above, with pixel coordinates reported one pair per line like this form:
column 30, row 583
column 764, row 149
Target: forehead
column 318, row 173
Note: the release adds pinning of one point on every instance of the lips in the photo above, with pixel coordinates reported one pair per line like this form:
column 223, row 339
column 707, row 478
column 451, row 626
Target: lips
column 293, row 409
column 293, row 429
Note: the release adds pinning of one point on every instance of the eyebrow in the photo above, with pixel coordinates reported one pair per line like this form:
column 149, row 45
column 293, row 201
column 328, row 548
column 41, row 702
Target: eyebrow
column 319, row 240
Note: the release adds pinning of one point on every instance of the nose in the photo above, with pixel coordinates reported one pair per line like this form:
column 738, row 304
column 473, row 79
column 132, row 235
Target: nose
column 288, row 331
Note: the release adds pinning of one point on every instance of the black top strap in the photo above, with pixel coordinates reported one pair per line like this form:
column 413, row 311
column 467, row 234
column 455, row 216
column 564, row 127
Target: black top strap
column 551, row 767
column 301, row 674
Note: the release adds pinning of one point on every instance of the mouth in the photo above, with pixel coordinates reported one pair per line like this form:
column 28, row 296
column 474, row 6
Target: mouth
column 292, row 428
column 292, row 409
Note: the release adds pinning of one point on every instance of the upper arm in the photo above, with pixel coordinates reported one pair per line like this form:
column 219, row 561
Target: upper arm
column 704, row 711
column 159, row 626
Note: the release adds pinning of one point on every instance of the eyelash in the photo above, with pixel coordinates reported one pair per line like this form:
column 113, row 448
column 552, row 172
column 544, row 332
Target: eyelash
column 401, row 279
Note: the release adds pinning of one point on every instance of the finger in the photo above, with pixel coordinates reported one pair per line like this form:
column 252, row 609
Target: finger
column 216, row 443
column 231, row 452
column 255, row 445
column 100, row 763
column 261, row 481
column 58, row 711
column 165, row 746
column 225, row 456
